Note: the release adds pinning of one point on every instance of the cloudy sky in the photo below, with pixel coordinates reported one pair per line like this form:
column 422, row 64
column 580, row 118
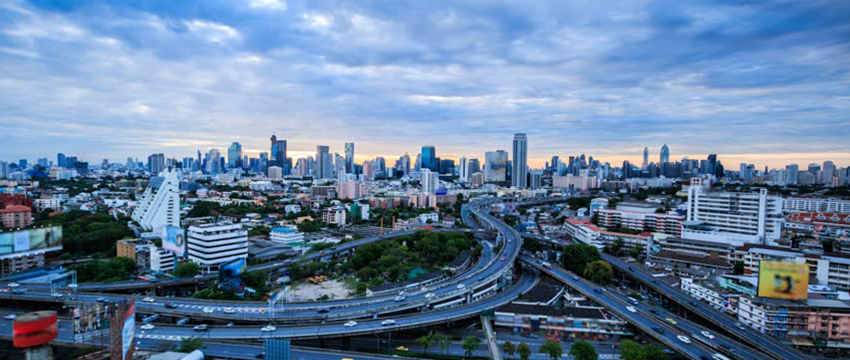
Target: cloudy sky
column 759, row 81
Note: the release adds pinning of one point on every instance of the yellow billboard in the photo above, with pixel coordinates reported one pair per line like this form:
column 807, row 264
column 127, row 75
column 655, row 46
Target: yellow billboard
column 783, row 280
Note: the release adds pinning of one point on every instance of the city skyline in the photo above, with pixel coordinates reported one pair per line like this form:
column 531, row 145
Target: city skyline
column 172, row 79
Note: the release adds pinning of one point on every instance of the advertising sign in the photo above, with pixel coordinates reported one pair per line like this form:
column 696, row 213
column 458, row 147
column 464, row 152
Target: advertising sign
column 174, row 240
column 32, row 240
column 128, row 333
column 230, row 275
column 34, row 329
column 783, row 280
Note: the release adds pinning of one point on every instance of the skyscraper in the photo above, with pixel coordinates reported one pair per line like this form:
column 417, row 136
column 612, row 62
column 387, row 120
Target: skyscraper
column 665, row 154
column 429, row 180
column 234, row 155
column 791, row 173
column 645, row 157
column 429, row 158
column 463, row 174
column 349, row 158
column 474, row 166
column 519, row 178
column 324, row 163
column 60, row 160
column 160, row 203
column 156, row 163
column 278, row 154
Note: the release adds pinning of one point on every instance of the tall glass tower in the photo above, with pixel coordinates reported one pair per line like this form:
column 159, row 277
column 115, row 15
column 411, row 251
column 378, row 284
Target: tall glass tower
column 429, row 158
column 519, row 173
column 665, row 154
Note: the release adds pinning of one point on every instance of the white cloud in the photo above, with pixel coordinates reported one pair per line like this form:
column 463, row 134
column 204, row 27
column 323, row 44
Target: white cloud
column 212, row 32
column 274, row 5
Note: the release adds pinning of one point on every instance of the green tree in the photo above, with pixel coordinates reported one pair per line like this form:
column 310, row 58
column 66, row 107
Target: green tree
column 577, row 256
column 631, row 350
column 509, row 348
column 257, row 280
column 470, row 344
column 599, row 271
column 655, row 352
column 524, row 351
column 260, row 230
column 425, row 342
column 636, row 252
column 552, row 348
column 583, row 350
column 442, row 341
column 188, row 345
column 186, row 269
column 202, row 208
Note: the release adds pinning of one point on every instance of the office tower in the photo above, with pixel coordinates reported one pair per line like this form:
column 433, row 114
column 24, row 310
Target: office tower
column 275, row 172
column 130, row 165
column 744, row 172
column 213, row 162
column 60, row 160
column 368, row 170
column 349, row 158
column 160, row 204
column 246, row 162
column 495, row 166
column 645, row 158
column 429, row 158
column 519, row 173
column 712, row 164
column 339, row 165
column 42, row 162
column 4, row 169
column 791, row 173
column 553, row 166
column 278, row 153
column 732, row 218
column 474, row 166
column 464, row 174
column 324, row 163
column 380, row 167
column 827, row 173
column 156, row 163
column 536, row 180
column 665, row 154
column 234, row 156
column 429, row 180
column 447, row 166
column 210, row 245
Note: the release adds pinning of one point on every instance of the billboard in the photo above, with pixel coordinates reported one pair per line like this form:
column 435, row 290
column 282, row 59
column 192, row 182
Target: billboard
column 128, row 332
column 20, row 242
column 34, row 329
column 174, row 240
column 783, row 280
column 230, row 275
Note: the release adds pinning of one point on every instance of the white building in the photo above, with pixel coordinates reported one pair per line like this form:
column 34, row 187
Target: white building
column 334, row 215
column 160, row 204
column 292, row 208
column 285, row 235
column 423, row 218
column 817, row 205
column 275, row 172
column 729, row 217
column 49, row 203
column 430, row 181
column 216, row 243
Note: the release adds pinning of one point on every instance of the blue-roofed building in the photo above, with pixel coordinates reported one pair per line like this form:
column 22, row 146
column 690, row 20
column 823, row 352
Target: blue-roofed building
column 286, row 235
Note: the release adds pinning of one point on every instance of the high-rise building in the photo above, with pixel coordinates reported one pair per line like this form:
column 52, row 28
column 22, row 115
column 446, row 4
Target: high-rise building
column 464, row 174
column 496, row 166
column 213, row 162
column 368, row 170
column 645, row 157
column 665, row 154
column 827, row 173
column 278, row 153
column 60, row 160
column 210, row 245
column 160, row 204
column 429, row 158
column 429, row 180
column 349, row 158
column 553, row 166
column 275, row 172
column 474, row 166
column 234, row 155
column 519, row 173
column 323, row 168
column 156, row 163
column 536, row 180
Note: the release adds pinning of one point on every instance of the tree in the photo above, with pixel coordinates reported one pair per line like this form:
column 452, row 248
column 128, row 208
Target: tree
column 470, row 343
column 524, row 351
column 636, row 252
column 186, row 269
column 552, row 348
column 654, row 352
column 424, row 341
column 577, row 256
column 509, row 348
column 583, row 350
column 631, row 350
column 202, row 208
column 260, row 230
column 599, row 271
column 616, row 247
column 441, row 340
column 188, row 345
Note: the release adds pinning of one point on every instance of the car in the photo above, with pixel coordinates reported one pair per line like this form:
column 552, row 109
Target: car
column 429, row 295
column 707, row 334
column 323, row 311
column 683, row 339
column 740, row 326
column 230, row 324
column 631, row 309
column 424, row 289
column 199, row 276
column 147, row 327
column 388, row 322
column 546, row 264
column 229, row 310
column 461, row 286
column 575, row 277
column 208, row 310
column 597, row 290
column 268, row 328
column 653, row 311
column 102, row 300
column 148, row 299
column 57, row 295
column 503, row 259
column 399, row 298
column 14, row 284
column 671, row 321
column 402, row 348
column 10, row 317
column 170, row 306
column 202, row 327
column 350, row 324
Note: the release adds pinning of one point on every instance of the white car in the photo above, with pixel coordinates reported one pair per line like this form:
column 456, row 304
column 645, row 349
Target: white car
column 707, row 334
column 208, row 310
column 57, row 295
column 268, row 328
column 11, row 317
column 461, row 286
column 14, row 284
column 147, row 327
column 399, row 298
column 229, row 310
column 199, row 276
column 429, row 295
column 684, row 339
column 388, row 322
column 631, row 309
column 148, row 299
column 350, row 324
column 202, row 327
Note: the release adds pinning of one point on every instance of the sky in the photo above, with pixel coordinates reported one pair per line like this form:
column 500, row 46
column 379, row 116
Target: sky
column 766, row 82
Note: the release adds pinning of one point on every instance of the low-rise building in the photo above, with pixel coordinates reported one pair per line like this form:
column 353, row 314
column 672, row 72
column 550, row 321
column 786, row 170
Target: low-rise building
column 580, row 323
column 334, row 215
column 286, row 235
column 212, row 244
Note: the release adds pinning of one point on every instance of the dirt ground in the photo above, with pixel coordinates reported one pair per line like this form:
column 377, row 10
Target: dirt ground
column 334, row 289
